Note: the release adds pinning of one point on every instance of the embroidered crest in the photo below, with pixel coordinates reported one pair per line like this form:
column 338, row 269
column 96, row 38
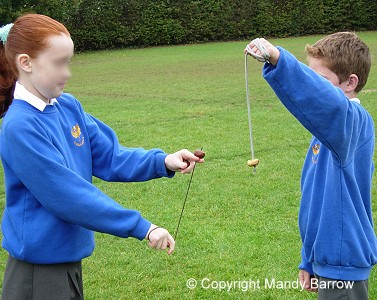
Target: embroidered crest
column 315, row 150
column 76, row 133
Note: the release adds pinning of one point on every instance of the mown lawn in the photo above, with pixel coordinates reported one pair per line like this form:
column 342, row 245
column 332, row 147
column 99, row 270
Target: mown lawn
column 237, row 226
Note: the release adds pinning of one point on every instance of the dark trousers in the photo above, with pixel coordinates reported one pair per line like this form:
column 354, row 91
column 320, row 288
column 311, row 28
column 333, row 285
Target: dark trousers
column 341, row 289
column 25, row 281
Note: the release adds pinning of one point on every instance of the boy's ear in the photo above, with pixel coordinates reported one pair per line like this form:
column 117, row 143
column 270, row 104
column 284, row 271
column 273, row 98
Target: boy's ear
column 24, row 62
column 353, row 81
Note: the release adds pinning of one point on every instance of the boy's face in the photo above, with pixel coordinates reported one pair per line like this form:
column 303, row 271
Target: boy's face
column 49, row 71
column 319, row 66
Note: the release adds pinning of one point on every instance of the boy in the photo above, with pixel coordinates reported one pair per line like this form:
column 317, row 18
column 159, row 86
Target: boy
column 335, row 218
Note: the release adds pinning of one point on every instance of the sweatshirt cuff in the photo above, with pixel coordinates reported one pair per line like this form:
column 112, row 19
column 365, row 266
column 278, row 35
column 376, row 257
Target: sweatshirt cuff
column 305, row 264
column 141, row 229
column 308, row 267
column 160, row 166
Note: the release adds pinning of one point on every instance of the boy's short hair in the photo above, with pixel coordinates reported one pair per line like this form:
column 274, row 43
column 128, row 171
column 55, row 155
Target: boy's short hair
column 344, row 54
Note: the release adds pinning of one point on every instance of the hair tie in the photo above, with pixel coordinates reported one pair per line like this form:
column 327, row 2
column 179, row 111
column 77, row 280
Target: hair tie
column 150, row 233
column 4, row 31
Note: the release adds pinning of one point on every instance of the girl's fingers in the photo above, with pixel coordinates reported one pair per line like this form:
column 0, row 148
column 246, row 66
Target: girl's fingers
column 162, row 240
column 171, row 243
column 189, row 168
column 152, row 244
column 164, row 244
column 159, row 244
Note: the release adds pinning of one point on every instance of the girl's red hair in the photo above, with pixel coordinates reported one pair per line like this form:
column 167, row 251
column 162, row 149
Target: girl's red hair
column 28, row 35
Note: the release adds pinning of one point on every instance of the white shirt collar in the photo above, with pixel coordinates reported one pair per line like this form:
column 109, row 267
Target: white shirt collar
column 21, row 93
column 355, row 100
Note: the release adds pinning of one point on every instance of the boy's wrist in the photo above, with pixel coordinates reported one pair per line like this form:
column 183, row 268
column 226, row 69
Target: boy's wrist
column 274, row 56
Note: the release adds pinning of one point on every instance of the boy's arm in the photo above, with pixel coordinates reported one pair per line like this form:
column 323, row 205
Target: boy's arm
column 113, row 162
column 322, row 108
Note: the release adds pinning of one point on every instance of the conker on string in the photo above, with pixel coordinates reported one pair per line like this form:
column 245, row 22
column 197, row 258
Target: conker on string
column 253, row 162
column 199, row 153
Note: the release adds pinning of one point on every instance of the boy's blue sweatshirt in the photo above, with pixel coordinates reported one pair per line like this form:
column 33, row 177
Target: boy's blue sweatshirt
column 49, row 158
column 335, row 217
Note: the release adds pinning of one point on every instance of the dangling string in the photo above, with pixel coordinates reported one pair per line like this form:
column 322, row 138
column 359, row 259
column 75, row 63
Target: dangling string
column 187, row 192
column 184, row 204
column 263, row 57
column 249, row 110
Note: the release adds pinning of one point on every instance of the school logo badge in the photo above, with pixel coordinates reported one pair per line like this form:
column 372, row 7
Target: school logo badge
column 76, row 133
column 315, row 150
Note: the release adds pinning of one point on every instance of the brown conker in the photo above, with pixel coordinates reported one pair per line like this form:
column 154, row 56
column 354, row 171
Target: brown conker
column 253, row 162
column 199, row 153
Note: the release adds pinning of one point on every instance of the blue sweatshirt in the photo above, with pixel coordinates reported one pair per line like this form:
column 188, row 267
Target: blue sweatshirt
column 335, row 217
column 49, row 158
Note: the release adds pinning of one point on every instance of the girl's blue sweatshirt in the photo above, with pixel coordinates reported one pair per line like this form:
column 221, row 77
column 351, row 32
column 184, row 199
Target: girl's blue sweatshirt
column 49, row 158
column 335, row 217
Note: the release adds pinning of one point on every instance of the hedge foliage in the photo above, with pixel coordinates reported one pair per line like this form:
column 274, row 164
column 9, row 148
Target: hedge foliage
column 107, row 24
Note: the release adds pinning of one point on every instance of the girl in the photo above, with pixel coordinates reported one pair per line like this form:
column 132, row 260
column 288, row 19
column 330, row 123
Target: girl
column 50, row 149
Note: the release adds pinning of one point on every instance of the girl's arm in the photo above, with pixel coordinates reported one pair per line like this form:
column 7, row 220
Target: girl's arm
column 40, row 167
column 113, row 162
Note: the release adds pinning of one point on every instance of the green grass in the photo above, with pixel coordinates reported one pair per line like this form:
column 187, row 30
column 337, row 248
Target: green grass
column 236, row 226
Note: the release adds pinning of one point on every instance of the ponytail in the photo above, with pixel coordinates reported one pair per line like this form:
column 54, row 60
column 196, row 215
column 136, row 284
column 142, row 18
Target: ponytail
column 7, row 81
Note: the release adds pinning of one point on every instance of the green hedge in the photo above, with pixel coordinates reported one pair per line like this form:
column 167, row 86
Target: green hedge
column 100, row 24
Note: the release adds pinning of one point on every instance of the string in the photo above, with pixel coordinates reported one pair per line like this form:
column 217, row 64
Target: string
column 184, row 202
column 263, row 57
column 248, row 108
column 249, row 111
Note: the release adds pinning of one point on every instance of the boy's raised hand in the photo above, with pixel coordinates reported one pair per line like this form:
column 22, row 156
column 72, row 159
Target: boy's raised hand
column 159, row 238
column 183, row 161
column 273, row 52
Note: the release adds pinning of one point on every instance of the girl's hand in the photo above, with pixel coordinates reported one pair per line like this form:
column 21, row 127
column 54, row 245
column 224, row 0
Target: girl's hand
column 159, row 238
column 183, row 161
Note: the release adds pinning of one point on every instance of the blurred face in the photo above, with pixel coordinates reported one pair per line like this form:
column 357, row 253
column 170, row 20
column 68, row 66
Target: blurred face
column 319, row 66
column 48, row 73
